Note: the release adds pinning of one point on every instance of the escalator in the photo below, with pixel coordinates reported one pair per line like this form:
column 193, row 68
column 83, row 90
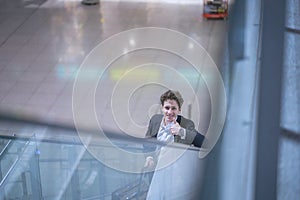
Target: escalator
column 17, row 169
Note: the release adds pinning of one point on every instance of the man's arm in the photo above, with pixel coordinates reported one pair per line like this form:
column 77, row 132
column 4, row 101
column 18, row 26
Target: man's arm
column 192, row 136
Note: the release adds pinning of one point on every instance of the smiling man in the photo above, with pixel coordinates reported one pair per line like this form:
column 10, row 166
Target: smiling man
column 171, row 126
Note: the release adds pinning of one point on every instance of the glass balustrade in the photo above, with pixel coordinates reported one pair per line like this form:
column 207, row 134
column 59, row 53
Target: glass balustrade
column 48, row 167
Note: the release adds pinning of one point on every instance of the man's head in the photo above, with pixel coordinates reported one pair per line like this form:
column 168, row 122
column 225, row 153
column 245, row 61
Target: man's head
column 171, row 102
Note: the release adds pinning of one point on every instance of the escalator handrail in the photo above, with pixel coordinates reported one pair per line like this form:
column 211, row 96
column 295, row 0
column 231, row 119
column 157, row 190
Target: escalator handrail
column 12, row 167
column 5, row 148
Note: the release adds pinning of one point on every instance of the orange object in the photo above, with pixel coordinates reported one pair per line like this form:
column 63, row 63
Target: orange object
column 217, row 9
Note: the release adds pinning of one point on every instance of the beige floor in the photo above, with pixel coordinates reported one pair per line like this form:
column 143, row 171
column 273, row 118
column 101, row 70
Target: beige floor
column 49, row 47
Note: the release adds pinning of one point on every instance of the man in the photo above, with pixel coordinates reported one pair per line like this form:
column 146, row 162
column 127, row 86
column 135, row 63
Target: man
column 171, row 126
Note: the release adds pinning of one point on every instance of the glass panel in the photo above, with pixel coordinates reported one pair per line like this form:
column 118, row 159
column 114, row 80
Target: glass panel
column 69, row 171
column 10, row 154
column 46, row 167
column 14, row 167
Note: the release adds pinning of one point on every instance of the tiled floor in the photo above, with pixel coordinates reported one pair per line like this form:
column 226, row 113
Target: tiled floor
column 43, row 44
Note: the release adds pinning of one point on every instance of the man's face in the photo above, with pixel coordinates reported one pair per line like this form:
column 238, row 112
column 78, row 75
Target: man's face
column 170, row 110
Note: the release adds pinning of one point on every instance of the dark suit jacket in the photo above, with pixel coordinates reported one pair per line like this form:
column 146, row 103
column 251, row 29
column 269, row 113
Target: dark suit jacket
column 192, row 135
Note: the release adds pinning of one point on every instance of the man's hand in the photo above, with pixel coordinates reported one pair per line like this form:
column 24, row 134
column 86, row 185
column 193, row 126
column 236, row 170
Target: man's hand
column 175, row 128
column 149, row 163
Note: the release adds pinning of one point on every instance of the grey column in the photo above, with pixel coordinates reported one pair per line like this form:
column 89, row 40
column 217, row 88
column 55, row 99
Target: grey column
column 268, row 119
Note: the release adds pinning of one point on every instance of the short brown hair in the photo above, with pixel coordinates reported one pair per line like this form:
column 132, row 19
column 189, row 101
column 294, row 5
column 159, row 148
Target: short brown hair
column 172, row 95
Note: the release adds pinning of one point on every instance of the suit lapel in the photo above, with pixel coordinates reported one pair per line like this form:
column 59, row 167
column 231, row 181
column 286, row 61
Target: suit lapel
column 178, row 119
column 157, row 125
